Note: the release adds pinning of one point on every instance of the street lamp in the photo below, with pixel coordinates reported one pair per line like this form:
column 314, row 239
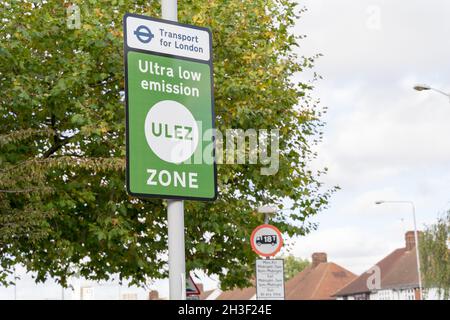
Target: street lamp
column 424, row 87
column 415, row 236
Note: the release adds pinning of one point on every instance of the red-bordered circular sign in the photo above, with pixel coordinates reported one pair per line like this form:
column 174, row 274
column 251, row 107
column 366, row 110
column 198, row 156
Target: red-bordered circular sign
column 266, row 240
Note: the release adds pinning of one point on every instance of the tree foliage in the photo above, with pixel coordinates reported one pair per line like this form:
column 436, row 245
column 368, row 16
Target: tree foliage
column 294, row 265
column 63, row 202
column 435, row 256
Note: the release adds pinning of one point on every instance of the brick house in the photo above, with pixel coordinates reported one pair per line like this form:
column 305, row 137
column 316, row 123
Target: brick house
column 395, row 277
column 317, row 282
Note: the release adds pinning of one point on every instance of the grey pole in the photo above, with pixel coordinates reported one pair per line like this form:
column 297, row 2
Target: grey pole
column 177, row 268
column 175, row 211
column 416, row 238
column 169, row 10
column 267, row 210
column 15, row 284
column 266, row 221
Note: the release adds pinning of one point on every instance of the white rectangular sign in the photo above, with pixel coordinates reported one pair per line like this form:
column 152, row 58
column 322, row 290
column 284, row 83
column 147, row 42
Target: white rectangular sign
column 270, row 279
column 167, row 37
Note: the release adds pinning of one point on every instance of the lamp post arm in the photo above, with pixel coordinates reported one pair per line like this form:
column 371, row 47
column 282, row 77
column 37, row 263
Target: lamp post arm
column 441, row 92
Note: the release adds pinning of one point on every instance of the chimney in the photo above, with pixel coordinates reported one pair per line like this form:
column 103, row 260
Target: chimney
column 153, row 295
column 410, row 240
column 318, row 258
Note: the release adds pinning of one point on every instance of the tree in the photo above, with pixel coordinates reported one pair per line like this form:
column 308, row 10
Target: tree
column 62, row 124
column 435, row 256
column 294, row 265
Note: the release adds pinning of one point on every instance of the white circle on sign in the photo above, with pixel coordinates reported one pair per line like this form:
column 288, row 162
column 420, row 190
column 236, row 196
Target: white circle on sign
column 171, row 131
column 266, row 240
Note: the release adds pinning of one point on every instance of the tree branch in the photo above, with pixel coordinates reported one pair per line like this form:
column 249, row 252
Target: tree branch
column 22, row 191
column 58, row 145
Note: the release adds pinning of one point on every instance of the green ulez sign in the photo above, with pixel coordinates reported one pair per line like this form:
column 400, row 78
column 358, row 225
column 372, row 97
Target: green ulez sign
column 170, row 110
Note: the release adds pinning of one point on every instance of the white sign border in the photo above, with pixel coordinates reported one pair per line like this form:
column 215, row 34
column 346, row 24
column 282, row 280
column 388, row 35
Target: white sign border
column 171, row 23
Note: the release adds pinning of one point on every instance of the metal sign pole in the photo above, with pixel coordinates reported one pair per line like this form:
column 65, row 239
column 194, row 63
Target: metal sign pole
column 175, row 218
column 175, row 210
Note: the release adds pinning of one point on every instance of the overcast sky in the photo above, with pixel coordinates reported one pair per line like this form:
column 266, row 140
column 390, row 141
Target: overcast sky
column 382, row 139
